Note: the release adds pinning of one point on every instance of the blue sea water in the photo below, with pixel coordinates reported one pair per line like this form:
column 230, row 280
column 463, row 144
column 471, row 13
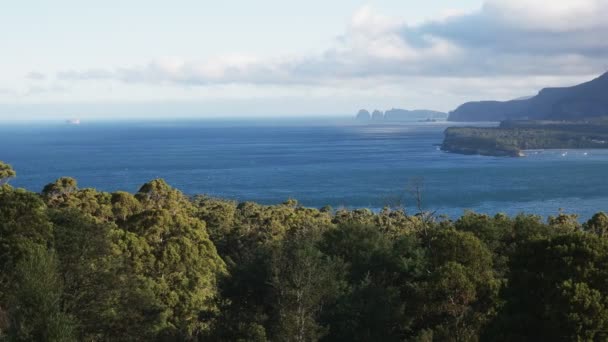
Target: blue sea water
column 317, row 162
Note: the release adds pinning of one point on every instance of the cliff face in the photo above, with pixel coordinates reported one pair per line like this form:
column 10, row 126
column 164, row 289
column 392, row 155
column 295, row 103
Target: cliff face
column 364, row 115
column 377, row 115
column 587, row 100
column 400, row 115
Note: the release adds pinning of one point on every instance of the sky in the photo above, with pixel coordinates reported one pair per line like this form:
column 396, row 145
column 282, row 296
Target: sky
column 185, row 58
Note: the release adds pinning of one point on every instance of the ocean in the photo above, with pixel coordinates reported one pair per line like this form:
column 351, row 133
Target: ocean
column 319, row 162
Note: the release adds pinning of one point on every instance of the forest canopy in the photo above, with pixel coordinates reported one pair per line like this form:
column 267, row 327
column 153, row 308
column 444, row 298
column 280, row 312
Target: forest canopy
column 84, row 265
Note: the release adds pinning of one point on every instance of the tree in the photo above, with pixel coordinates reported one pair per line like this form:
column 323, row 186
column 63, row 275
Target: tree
column 460, row 295
column 556, row 290
column 585, row 310
column 246, row 299
column 450, row 295
column 249, row 237
column 6, row 173
column 170, row 252
column 92, row 275
column 35, row 309
column 23, row 222
column 303, row 281
column 79, row 264
column 58, row 193
column 382, row 275
column 124, row 205
column 490, row 230
column 158, row 194
column 598, row 224
column 64, row 193
column 219, row 217
column 62, row 186
column 564, row 222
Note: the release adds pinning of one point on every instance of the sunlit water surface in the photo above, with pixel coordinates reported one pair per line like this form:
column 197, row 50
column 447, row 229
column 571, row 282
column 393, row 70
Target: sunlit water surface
column 329, row 162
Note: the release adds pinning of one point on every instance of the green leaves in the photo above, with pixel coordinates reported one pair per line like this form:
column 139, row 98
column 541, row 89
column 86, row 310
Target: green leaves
column 143, row 260
column 585, row 311
column 35, row 306
column 303, row 281
column 6, row 173
column 79, row 264
column 556, row 289
column 23, row 222
column 598, row 224
column 158, row 194
column 170, row 251
column 61, row 187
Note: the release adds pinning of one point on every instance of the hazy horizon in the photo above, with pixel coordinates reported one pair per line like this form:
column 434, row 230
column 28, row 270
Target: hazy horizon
column 202, row 59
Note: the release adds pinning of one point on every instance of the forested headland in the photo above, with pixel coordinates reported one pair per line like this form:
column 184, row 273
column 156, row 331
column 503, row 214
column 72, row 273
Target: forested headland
column 84, row 265
column 512, row 137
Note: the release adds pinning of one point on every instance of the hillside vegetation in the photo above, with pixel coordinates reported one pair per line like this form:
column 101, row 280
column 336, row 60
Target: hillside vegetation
column 84, row 265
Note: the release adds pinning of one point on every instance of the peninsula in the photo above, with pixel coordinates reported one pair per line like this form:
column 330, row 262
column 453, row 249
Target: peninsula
column 511, row 138
column 557, row 118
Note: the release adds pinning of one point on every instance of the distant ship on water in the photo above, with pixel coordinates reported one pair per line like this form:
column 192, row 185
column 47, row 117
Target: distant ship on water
column 73, row 122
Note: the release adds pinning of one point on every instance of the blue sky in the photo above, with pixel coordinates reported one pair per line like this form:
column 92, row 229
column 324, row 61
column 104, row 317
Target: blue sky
column 122, row 59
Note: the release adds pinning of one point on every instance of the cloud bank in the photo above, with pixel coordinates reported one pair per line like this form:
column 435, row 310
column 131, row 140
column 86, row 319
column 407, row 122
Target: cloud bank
column 504, row 38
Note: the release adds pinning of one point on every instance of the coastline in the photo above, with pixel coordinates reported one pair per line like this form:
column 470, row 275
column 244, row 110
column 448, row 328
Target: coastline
column 512, row 139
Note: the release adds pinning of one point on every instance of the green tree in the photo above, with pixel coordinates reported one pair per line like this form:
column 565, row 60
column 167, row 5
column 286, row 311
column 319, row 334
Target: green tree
column 64, row 193
column 382, row 274
column 183, row 265
column 35, row 309
column 556, row 290
column 460, row 296
column 564, row 222
column 598, row 224
column 170, row 251
column 246, row 299
column 490, row 230
column 449, row 295
column 220, row 219
column 6, row 173
column 91, row 272
column 248, row 237
column 23, row 222
column 61, row 187
column 303, row 281
column 157, row 194
column 124, row 205
column 585, row 311
column 90, row 201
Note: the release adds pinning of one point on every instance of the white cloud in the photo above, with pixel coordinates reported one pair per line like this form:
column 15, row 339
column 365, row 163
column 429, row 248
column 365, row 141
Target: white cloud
column 366, row 21
column 35, row 76
column 504, row 37
column 554, row 16
column 506, row 48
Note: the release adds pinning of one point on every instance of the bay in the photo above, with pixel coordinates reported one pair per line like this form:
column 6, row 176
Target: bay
column 319, row 162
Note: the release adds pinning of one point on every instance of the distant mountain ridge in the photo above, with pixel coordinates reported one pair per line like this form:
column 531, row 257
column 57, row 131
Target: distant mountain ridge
column 397, row 114
column 584, row 101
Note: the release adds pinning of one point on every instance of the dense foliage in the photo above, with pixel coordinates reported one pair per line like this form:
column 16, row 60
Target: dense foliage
column 83, row 265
